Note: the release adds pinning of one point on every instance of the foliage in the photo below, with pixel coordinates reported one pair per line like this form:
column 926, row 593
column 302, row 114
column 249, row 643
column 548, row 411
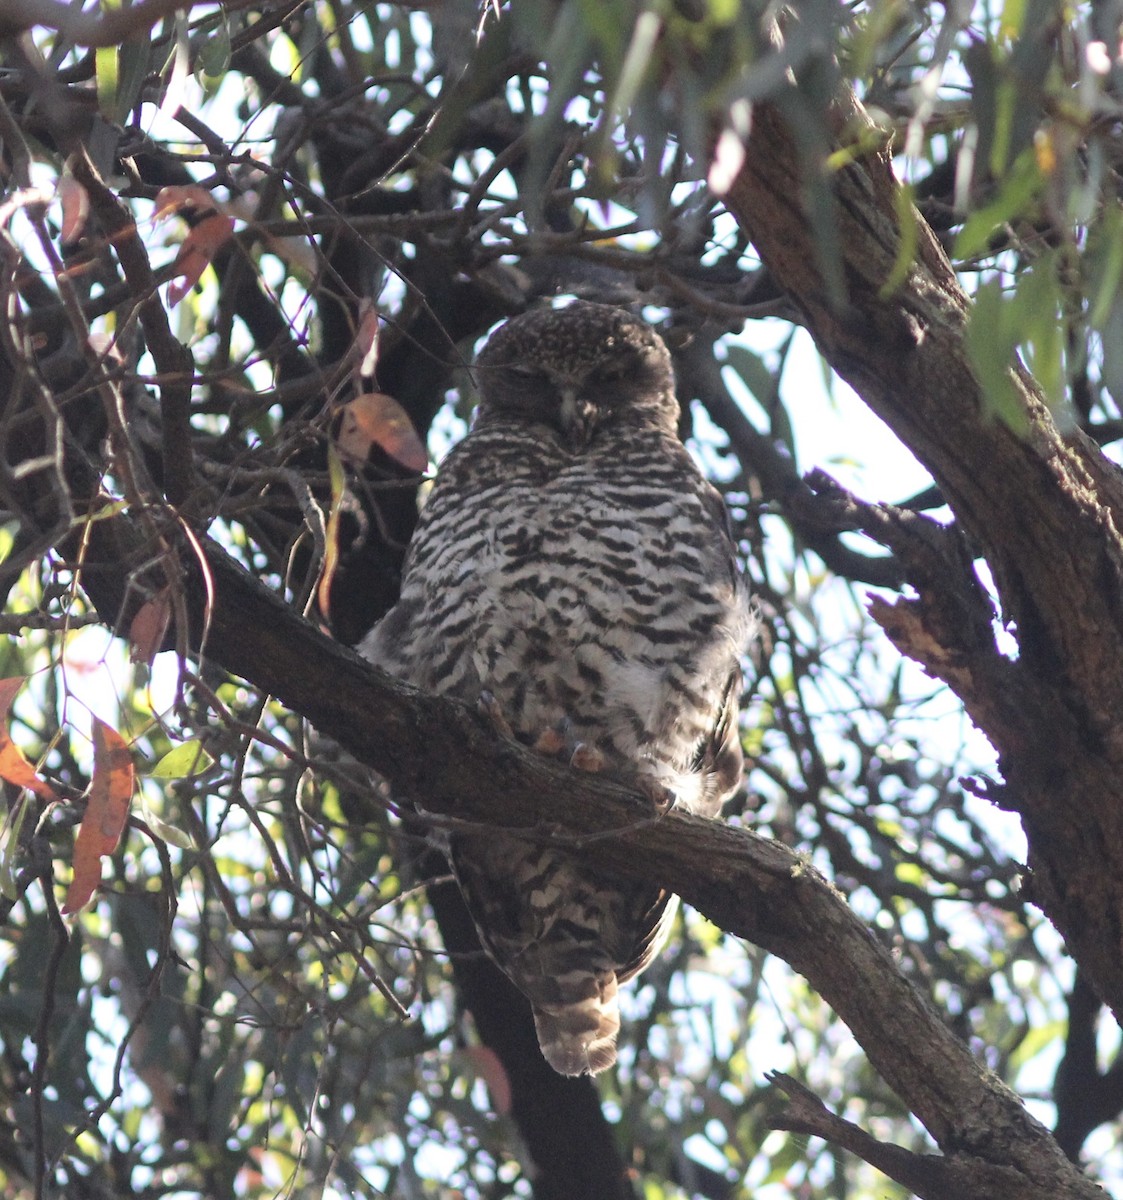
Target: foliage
column 199, row 222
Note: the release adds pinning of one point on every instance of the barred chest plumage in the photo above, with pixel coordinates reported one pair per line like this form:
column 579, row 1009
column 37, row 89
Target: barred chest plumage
column 577, row 589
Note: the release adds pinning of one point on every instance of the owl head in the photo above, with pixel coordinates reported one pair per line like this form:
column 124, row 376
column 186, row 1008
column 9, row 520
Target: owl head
column 578, row 370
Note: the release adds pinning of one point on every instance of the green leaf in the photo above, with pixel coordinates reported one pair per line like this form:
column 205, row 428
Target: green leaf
column 1037, row 319
column 990, row 347
column 214, row 50
column 1013, row 18
column 636, row 63
column 1105, row 253
column 166, row 832
column 1036, row 1041
column 284, row 57
column 9, row 848
column 1005, row 110
column 135, row 62
column 1015, row 198
column 186, row 759
column 111, row 509
column 906, row 252
column 753, row 372
column 106, row 70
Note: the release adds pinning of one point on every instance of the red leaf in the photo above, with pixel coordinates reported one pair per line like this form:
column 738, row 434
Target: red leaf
column 75, row 207
column 366, row 339
column 147, row 629
column 107, row 810
column 13, row 766
column 195, row 255
column 375, row 419
column 192, row 195
column 485, row 1062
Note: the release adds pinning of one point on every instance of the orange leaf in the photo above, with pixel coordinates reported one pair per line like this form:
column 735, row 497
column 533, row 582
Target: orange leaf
column 195, row 255
column 192, row 195
column 487, row 1065
column 13, row 766
column 111, row 790
column 75, row 207
column 375, row 419
column 147, row 629
column 366, row 339
column 331, row 534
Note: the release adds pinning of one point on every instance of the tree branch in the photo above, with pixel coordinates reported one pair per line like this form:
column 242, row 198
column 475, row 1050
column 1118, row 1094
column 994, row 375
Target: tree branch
column 930, row 1176
column 449, row 757
column 1044, row 508
column 90, row 28
column 173, row 359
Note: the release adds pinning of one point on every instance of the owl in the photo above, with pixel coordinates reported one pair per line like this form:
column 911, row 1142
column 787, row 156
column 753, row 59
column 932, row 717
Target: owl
column 573, row 573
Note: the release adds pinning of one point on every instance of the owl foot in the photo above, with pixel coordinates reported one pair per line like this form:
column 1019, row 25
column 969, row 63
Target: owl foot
column 488, row 706
column 550, row 742
column 586, row 757
column 661, row 798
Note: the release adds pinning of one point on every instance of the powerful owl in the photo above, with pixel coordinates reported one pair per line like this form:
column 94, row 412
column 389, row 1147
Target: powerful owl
column 573, row 572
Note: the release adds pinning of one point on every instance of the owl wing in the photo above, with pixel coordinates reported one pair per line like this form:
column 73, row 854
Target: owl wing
column 719, row 757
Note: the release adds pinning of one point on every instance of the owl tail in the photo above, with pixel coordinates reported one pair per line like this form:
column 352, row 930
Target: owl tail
column 579, row 1038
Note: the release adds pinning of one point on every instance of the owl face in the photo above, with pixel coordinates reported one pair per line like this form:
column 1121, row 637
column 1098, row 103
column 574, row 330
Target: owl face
column 577, row 370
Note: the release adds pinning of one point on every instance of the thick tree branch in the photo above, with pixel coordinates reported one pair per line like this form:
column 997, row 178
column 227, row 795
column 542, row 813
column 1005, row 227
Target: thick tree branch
column 90, row 28
column 1085, row 1096
column 1044, row 509
column 434, row 749
column 930, row 1176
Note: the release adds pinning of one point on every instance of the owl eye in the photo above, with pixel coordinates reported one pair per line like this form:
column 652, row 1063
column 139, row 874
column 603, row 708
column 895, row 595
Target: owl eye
column 526, row 370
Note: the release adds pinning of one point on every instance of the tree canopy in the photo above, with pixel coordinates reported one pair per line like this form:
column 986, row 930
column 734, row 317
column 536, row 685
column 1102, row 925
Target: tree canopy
column 247, row 253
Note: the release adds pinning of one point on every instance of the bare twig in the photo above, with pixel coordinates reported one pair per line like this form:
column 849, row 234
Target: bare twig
column 172, row 358
column 91, row 27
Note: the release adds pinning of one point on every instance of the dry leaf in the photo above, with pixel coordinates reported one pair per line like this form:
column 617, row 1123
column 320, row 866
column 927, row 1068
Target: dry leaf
column 375, row 419
column 13, row 766
column 366, row 339
column 199, row 247
column 111, row 791
column 107, row 346
column 75, row 207
column 148, row 627
column 331, row 534
column 729, row 153
column 485, row 1062
column 172, row 199
column 729, row 158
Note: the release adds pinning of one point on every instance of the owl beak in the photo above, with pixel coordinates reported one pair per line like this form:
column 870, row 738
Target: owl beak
column 578, row 418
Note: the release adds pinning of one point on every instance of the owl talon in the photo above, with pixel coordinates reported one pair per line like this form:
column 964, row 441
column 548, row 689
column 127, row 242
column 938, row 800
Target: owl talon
column 489, row 707
column 661, row 798
column 549, row 742
column 586, row 757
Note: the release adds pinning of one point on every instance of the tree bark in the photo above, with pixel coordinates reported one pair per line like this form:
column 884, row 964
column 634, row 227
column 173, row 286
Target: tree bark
column 1044, row 508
